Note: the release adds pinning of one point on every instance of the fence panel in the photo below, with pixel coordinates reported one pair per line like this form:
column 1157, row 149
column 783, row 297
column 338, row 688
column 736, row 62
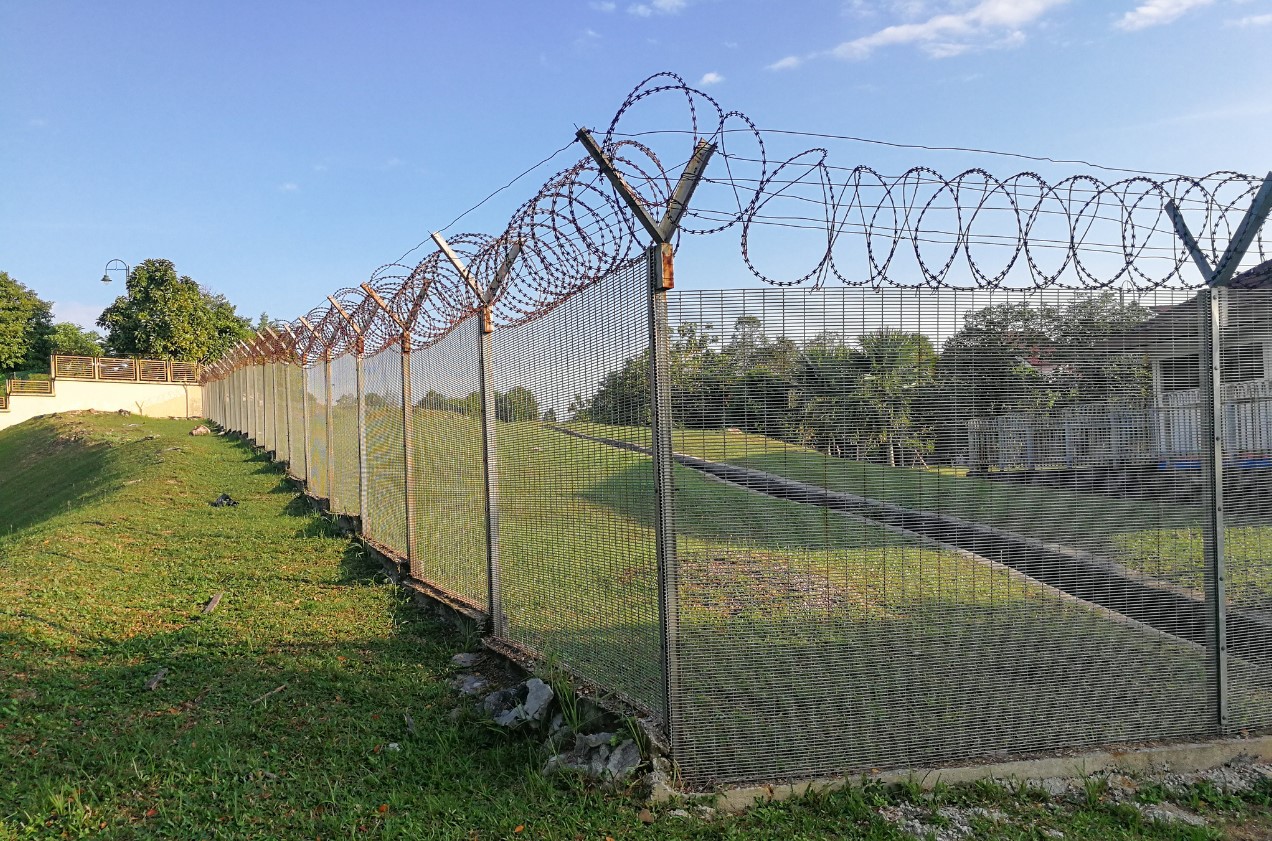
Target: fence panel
column 346, row 463
column 384, row 521
column 316, row 407
column 1247, row 486
column 576, row 516
column 249, row 425
column 152, row 370
column 258, row 393
column 446, row 441
column 856, row 594
column 268, row 432
column 297, row 449
column 116, row 369
column 280, row 410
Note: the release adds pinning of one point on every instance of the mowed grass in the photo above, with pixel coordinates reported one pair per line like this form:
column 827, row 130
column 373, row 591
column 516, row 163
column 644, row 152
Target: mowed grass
column 577, row 546
column 794, row 617
column 99, row 594
column 1161, row 539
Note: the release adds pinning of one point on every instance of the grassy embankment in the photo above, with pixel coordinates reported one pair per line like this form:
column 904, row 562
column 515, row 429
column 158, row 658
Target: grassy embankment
column 108, row 553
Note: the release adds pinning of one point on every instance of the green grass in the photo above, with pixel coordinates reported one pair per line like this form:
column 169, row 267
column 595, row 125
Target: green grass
column 96, row 596
column 792, row 615
column 1159, row 539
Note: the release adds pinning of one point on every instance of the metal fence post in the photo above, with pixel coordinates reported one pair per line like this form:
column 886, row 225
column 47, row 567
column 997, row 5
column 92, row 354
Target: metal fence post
column 660, row 278
column 490, row 468
column 408, row 460
column 1210, row 303
column 489, row 418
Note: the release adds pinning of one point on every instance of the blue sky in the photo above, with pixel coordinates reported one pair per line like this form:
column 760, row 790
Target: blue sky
column 278, row 151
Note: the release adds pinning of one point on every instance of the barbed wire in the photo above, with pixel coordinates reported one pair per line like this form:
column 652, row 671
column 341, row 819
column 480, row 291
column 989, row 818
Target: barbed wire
column 854, row 224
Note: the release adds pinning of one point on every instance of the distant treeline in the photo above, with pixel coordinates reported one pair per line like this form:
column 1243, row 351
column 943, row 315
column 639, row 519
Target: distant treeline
column 887, row 394
column 884, row 395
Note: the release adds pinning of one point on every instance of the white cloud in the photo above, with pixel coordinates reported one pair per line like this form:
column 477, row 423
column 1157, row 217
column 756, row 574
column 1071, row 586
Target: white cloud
column 657, row 7
column 587, row 39
column 711, row 78
column 604, row 7
column 988, row 23
column 1252, row 20
column 788, row 63
column 1156, row 13
column 37, row 122
column 289, row 187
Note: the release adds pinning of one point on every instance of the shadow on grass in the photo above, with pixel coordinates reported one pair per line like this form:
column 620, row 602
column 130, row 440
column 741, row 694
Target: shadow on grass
column 46, row 472
column 293, row 735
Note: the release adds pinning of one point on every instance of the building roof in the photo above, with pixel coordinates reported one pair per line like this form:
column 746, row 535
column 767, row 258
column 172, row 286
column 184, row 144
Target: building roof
column 1174, row 330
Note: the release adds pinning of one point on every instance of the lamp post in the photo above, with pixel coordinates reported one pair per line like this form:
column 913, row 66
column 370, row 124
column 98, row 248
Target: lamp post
column 109, row 264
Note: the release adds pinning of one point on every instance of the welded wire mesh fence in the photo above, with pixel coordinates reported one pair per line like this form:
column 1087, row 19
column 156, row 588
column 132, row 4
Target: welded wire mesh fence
column 576, row 541
column 819, row 532
column 345, row 458
column 384, row 520
column 910, row 527
column 447, row 473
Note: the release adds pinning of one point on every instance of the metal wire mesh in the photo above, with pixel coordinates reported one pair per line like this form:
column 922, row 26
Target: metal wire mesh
column 241, row 404
column 316, row 406
column 576, row 516
column 297, row 449
column 384, row 521
column 1245, row 351
column 346, row 466
column 278, row 406
column 258, row 396
column 249, row 408
column 917, row 527
column 268, row 429
column 449, row 541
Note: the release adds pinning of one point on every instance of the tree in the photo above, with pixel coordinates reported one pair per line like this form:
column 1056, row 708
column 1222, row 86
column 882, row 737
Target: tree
column 166, row 316
column 69, row 339
column 517, row 404
column 1017, row 357
column 623, row 396
column 899, row 366
column 26, row 323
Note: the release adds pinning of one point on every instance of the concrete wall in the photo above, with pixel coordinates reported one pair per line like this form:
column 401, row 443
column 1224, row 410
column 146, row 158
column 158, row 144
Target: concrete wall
column 157, row 400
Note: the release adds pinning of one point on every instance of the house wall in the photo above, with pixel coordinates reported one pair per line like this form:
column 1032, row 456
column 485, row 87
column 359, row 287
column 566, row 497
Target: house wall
column 156, row 400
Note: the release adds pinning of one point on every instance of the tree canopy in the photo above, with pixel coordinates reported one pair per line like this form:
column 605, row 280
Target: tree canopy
column 166, row 316
column 885, row 394
column 26, row 322
column 69, row 339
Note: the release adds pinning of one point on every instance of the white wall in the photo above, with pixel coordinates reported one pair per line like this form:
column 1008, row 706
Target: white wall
column 156, row 400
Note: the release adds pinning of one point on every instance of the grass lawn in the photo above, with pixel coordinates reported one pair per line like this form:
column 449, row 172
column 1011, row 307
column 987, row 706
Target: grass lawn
column 793, row 616
column 1159, row 539
column 110, row 550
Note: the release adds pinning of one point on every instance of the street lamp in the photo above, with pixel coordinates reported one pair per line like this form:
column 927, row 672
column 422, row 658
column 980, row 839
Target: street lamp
column 106, row 273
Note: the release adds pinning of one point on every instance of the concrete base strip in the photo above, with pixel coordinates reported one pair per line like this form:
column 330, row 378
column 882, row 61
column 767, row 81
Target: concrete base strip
column 1183, row 758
